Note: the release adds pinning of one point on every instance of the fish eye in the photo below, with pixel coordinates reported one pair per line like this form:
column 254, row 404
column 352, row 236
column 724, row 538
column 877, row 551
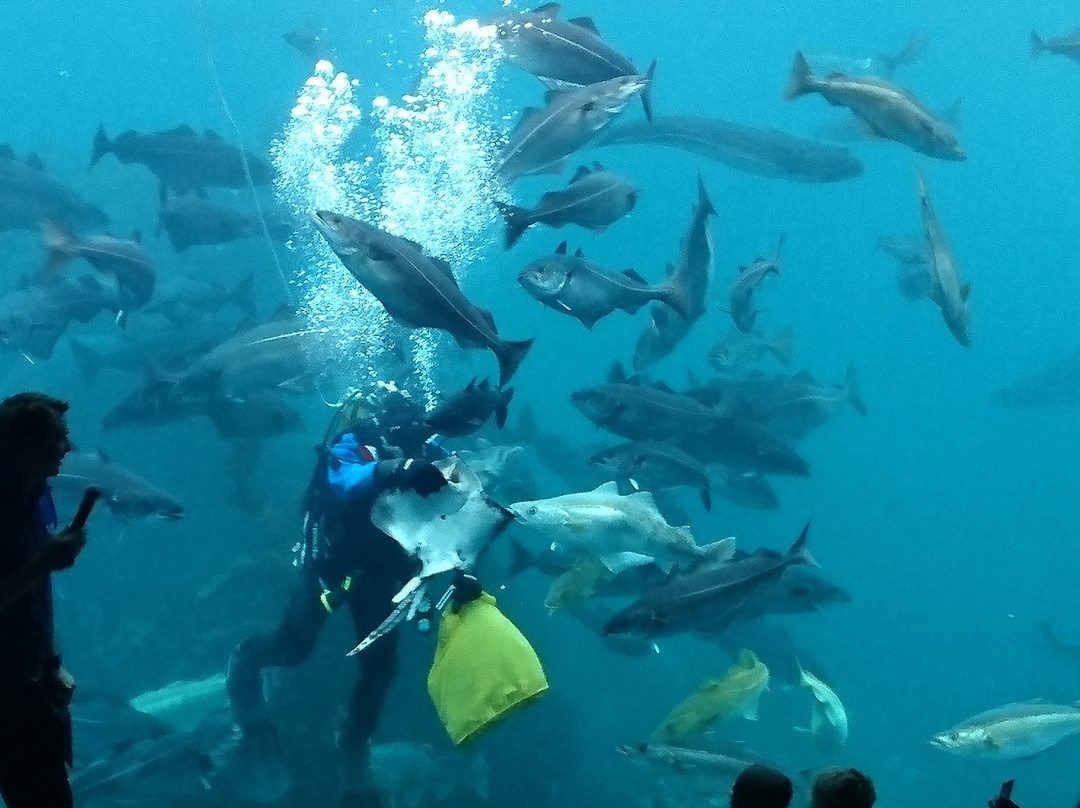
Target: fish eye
column 532, row 511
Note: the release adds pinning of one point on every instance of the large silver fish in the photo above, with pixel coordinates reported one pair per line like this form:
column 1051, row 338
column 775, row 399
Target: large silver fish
column 418, row 291
column 884, row 109
column 572, row 117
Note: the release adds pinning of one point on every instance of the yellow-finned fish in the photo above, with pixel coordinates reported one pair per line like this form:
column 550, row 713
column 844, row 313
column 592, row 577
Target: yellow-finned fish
column 737, row 693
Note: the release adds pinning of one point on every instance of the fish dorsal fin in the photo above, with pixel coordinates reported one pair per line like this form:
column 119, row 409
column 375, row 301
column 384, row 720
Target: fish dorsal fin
column 136, row 236
column 598, row 166
column 586, row 23
column 487, row 317
column 183, row 130
column 550, row 9
column 965, row 291
column 742, row 269
column 611, row 488
column 34, row 161
column 553, row 95
column 472, row 383
column 101, row 455
column 617, row 374
column 283, row 313
column 747, row 659
column 579, row 253
column 632, row 275
column 662, row 387
column 6, row 152
column 804, row 376
column 561, row 249
column 210, row 134
column 445, row 269
column 582, row 171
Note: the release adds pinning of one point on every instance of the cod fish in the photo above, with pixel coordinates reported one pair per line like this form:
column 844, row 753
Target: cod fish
column 184, row 160
column 884, row 109
column 1068, row 45
column 947, row 290
column 741, row 297
column 593, row 200
column 191, row 220
column 588, row 292
column 737, row 351
column 667, row 328
column 35, row 314
column 622, row 531
column 1056, row 384
column 466, row 411
column 759, row 152
column 707, row 598
column 29, row 196
column 123, row 264
column 652, row 465
column 544, row 138
column 561, row 52
column 186, row 704
column 828, row 718
column 128, row 496
column 1012, row 732
column 737, row 693
column 417, row 291
column 277, row 354
column 707, row 765
column 912, row 266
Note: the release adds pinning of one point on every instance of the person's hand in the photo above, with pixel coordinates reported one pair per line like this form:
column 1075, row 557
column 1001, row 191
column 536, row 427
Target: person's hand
column 62, row 549
column 466, row 589
column 425, row 478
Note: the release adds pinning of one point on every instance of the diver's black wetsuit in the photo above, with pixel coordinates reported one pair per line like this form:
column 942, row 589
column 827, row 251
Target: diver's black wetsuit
column 348, row 559
column 35, row 728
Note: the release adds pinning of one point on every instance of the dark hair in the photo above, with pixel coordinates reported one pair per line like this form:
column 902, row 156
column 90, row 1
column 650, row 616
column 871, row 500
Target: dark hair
column 760, row 786
column 841, row 787
column 27, row 420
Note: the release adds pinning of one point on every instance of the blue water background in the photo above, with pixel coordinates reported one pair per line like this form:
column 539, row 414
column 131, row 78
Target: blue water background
column 952, row 523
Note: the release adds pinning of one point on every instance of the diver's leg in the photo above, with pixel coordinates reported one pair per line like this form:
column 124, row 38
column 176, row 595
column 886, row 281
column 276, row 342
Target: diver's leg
column 258, row 767
column 378, row 667
column 285, row 647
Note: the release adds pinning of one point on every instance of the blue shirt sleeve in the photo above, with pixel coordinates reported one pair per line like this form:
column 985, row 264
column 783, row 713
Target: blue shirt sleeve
column 348, row 474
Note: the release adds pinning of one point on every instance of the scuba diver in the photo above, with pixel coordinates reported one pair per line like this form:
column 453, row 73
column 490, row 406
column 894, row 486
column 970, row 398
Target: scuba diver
column 371, row 446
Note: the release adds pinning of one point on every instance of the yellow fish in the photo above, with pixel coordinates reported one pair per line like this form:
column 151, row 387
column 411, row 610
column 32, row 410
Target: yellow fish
column 716, row 699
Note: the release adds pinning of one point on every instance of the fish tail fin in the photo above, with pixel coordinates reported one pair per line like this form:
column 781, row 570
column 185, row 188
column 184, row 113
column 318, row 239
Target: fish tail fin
column 675, row 291
column 801, row 80
column 503, row 407
column 102, row 146
column 851, row 389
column 58, row 243
column 1037, row 46
column 704, row 203
column 243, row 296
column 646, row 95
column 510, row 356
column 87, row 359
column 783, row 345
column 799, row 553
column 517, row 222
column 520, row 558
